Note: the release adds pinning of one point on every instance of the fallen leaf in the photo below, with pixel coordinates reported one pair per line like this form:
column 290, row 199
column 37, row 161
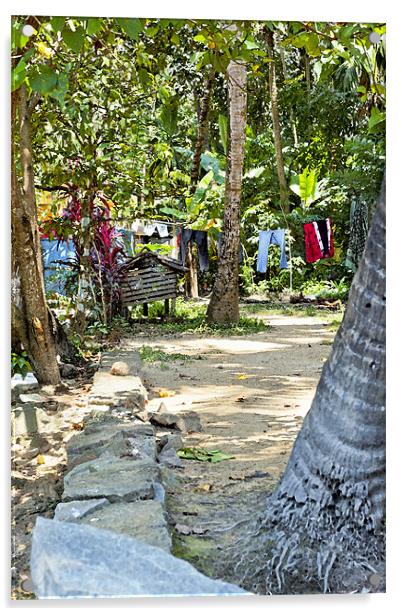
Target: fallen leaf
column 78, row 426
column 241, row 399
column 205, row 487
column 40, row 459
column 165, row 393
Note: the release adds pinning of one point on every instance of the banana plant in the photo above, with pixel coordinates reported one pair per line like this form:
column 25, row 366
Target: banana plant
column 306, row 186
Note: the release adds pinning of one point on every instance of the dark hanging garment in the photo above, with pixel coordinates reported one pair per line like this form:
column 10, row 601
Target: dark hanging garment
column 318, row 239
column 358, row 234
column 201, row 239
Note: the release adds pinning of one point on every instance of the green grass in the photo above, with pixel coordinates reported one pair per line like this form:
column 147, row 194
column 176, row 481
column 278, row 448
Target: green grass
column 190, row 317
column 153, row 354
column 335, row 323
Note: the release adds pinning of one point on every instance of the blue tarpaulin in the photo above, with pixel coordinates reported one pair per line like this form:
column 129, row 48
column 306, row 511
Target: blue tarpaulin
column 56, row 250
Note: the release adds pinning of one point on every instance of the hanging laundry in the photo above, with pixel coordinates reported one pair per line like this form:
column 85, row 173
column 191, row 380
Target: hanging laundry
column 358, row 234
column 156, row 228
column 201, row 239
column 318, row 239
column 241, row 257
column 275, row 237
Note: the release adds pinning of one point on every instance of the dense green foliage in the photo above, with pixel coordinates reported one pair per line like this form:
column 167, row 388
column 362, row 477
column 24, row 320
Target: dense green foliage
column 117, row 117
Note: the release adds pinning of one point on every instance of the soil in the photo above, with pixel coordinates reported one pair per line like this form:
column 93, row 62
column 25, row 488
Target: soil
column 251, row 394
column 38, row 464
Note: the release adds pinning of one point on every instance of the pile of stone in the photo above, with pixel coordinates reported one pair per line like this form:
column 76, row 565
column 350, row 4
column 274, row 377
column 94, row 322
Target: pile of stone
column 109, row 536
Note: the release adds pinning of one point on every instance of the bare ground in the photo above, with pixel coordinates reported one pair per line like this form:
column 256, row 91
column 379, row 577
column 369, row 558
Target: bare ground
column 251, row 394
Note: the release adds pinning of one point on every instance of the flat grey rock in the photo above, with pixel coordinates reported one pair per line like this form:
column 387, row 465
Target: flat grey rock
column 32, row 398
column 143, row 520
column 74, row 510
column 78, row 560
column 112, row 478
column 170, row 441
column 120, row 440
column 169, row 457
column 28, row 383
column 123, row 391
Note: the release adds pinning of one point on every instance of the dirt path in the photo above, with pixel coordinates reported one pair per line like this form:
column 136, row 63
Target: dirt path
column 251, row 394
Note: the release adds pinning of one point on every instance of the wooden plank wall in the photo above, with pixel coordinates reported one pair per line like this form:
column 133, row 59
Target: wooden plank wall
column 151, row 283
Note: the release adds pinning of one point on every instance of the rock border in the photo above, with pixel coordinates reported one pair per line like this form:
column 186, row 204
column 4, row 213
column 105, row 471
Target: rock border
column 114, row 495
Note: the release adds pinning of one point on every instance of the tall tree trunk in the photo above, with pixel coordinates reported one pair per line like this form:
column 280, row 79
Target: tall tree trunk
column 325, row 520
column 202, row 128
column 86, row 297
column 283, row 189
column 30, row 312
column 224, row 304
column 202, row 137
column 291, row 112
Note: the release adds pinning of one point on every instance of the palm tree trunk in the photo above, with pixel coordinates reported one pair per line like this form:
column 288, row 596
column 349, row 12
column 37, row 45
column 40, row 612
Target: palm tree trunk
column 283, row 189
column 325, row 520
column 202, row 134
column 30, row 312
column 224, row 304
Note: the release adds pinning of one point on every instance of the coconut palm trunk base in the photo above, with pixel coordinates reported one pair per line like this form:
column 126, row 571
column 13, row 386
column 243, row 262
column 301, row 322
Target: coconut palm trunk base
column 324, row 526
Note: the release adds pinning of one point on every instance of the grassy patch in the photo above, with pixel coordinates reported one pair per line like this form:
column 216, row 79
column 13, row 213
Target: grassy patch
column 327, row 342
column 153, row 354
column 334, row 324
column 199, row 325
column 191, row 318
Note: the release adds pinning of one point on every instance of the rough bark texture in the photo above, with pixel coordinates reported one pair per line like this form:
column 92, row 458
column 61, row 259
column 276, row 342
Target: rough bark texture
column 202, row 129
column 324, row 525
column 291, row 111
column 283, row 189
column 224, row 304
column 30, row 320
column 202, row 138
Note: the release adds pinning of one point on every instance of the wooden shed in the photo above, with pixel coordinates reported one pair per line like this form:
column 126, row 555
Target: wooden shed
column 149, row 277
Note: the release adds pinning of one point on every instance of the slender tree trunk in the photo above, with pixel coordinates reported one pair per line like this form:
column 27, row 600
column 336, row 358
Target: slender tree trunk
column 283, row 189
column 325, row 520
column 224, row 304
column 202, row 129
column 30, row 312
column 86, row 297
column 202, row 137
column 291, row 112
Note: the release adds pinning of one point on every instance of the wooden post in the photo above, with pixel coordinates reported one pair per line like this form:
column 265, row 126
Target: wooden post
column 145, row 309
column 166, row 307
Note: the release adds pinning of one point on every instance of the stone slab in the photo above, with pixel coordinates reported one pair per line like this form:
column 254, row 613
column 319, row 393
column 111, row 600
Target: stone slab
column 123, row 391
column 74, row 510
column 118, row 439
column 77, row 561
column 29, row 418
column 112, row 478
column 143, row 520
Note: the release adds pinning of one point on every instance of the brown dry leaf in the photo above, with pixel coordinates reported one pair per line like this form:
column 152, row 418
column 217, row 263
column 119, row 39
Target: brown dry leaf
column 205, row 487
column 241, row 399
column 78, row 426
column 165, row 393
